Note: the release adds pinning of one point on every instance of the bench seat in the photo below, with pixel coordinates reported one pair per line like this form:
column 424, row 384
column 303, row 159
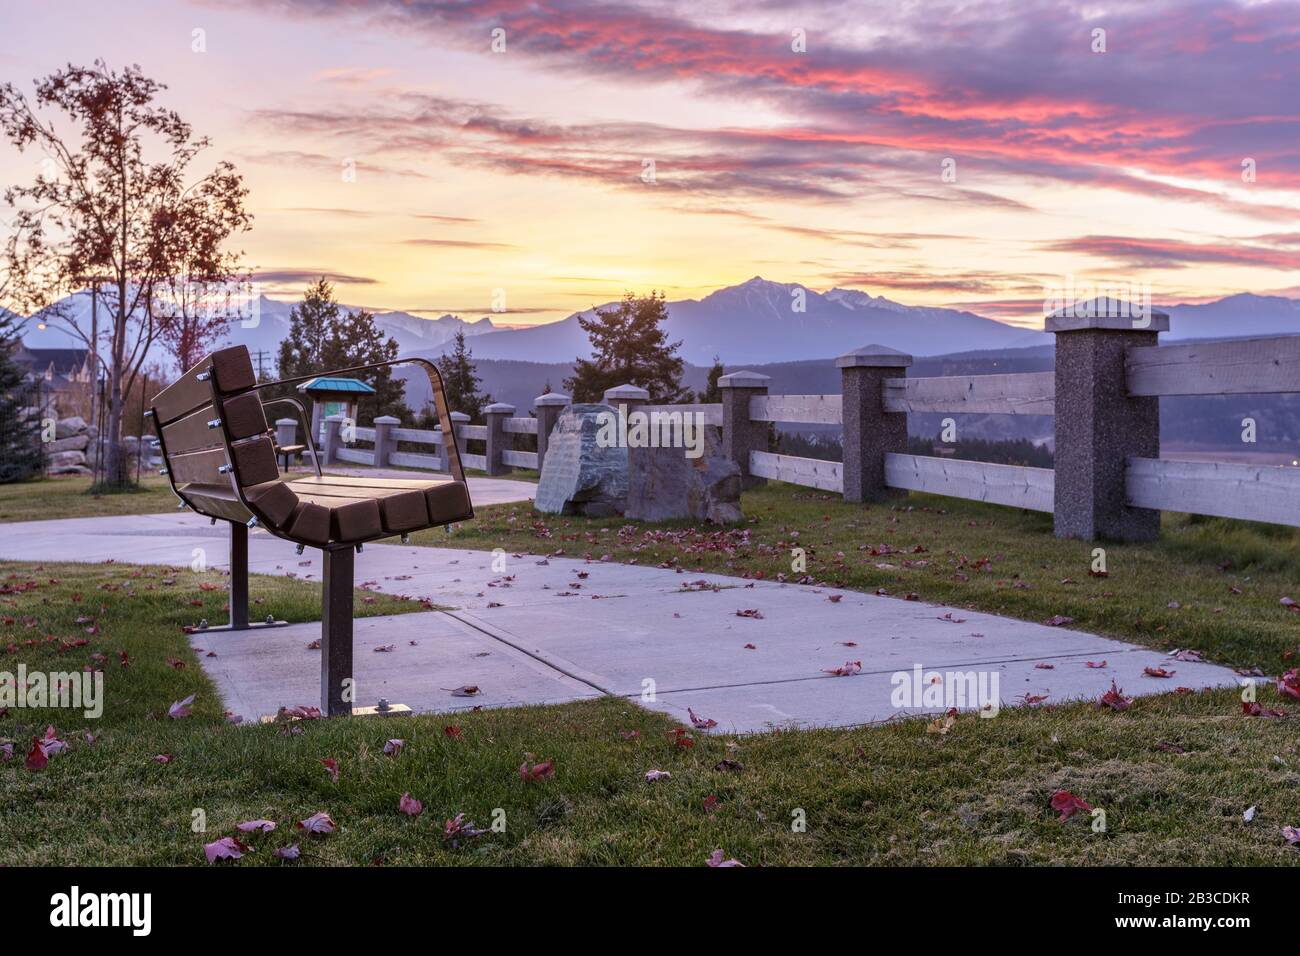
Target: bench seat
column 338, row 509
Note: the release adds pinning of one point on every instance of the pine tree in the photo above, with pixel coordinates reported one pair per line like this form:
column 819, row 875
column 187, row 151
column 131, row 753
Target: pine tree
column 629, row 346
column 322, row 337
column 460, row 381
column 712, row 393
column 20, row 430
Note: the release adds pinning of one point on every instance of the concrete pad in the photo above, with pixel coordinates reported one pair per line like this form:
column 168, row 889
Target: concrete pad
column 868, row 697
column 259, row 671
column 688, row 640
column 549, row 640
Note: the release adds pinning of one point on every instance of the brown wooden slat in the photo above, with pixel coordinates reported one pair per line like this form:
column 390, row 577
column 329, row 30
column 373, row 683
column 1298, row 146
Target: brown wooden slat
column 192, row 433
column 244, row 416
column 215, row 502
column 254, row 462
column 398, row 484
column 233, row 371
column 199, row 466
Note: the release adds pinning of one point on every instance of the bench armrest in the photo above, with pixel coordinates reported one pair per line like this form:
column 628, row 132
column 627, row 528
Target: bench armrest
column 439, row 403
column 306, row 428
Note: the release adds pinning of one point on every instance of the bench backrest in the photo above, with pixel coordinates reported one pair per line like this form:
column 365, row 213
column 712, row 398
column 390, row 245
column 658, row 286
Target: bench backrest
column 212, row 428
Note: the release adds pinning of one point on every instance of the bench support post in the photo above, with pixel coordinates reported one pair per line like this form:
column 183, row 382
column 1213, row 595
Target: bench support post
column 238, row 595
column 336, row 686
column 238, row 576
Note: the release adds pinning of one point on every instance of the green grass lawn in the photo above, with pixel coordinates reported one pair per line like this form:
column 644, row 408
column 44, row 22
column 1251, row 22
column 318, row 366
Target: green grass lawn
column 1209, row 584
column 892, row 794
column 70, row 498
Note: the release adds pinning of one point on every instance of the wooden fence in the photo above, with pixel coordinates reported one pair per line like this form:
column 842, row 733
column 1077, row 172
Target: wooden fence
column 1109, row 481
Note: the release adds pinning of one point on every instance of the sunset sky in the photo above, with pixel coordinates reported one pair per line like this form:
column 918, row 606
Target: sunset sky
column 524, row 170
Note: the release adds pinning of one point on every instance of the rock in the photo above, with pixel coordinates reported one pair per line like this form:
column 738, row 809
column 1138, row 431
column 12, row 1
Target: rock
column 75, row 443
column 69, row 470
column 664, row 484
column 579, row 477
column 62, row 458
column 67, row 427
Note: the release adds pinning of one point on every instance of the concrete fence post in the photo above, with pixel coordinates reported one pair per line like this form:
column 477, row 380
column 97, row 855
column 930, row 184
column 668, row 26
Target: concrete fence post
column 1098, row 425
column 498, row 439
column 457, row 419
column 385, row 443
column 626, row 399
column 870, row 432
column 549, row 407
column 741, row 435
column 333, row 439
column 633, row 396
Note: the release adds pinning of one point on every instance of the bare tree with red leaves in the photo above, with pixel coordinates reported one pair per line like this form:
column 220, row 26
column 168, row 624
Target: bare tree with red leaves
column 101, row 213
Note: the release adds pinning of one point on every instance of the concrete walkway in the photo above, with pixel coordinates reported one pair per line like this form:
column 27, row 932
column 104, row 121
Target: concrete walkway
column 535, row 630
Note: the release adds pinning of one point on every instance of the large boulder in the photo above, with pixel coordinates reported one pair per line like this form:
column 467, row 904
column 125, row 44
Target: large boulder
column 65, row 462
column 579, row 477
column 663, row 483
column 75, row 443
column 67, row 427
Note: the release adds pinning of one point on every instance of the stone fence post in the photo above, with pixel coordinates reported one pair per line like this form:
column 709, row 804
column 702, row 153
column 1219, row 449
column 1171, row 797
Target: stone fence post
column 633, row 396
column 870, row 432
column 740, row 435
column 498, row 439
column 333, row 440
column 385, row 443
column 549, row 407
column 1098, row 425
column 457, row 419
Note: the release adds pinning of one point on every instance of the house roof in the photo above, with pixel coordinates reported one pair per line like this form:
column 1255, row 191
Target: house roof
column 329, row 383
column 63, row 360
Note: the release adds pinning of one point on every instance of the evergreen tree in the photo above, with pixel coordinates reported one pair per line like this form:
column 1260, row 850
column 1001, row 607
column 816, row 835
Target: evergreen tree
column 460, row 381
column 712, row 394
column 20, row 431
column 629, row 346
column 322, row 337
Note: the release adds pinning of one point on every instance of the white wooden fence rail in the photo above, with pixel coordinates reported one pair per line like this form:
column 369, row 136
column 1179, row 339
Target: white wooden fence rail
column 808, row 409
column 520, row 426
column 1242, row 367
column 1249, row 492
column 1031, row 488
column 1026, row 393
column 826, row 475
column 712, row 412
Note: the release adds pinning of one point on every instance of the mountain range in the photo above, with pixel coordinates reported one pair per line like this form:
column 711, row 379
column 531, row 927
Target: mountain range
column 755, row 322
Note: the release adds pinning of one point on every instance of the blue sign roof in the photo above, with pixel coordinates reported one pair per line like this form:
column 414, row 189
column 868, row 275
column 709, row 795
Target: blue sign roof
column 328, row 383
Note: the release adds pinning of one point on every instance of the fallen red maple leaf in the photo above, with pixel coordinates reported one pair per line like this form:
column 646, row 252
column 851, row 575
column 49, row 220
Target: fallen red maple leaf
column 1065, row 803
column 227, row 848
column 410, row 806
column 1114, row 698
column 703, row 723
column 847, row 669
column 538, row 771
column 262, row 826
column 181, row 708
column 317, row 823
column 36, row 759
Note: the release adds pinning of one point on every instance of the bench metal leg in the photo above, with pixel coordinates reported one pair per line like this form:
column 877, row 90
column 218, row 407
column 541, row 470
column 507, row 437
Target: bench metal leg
column 239, row 587
column 336, row 694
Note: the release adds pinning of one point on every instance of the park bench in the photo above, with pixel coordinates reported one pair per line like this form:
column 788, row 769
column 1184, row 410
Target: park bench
column 220, row 457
